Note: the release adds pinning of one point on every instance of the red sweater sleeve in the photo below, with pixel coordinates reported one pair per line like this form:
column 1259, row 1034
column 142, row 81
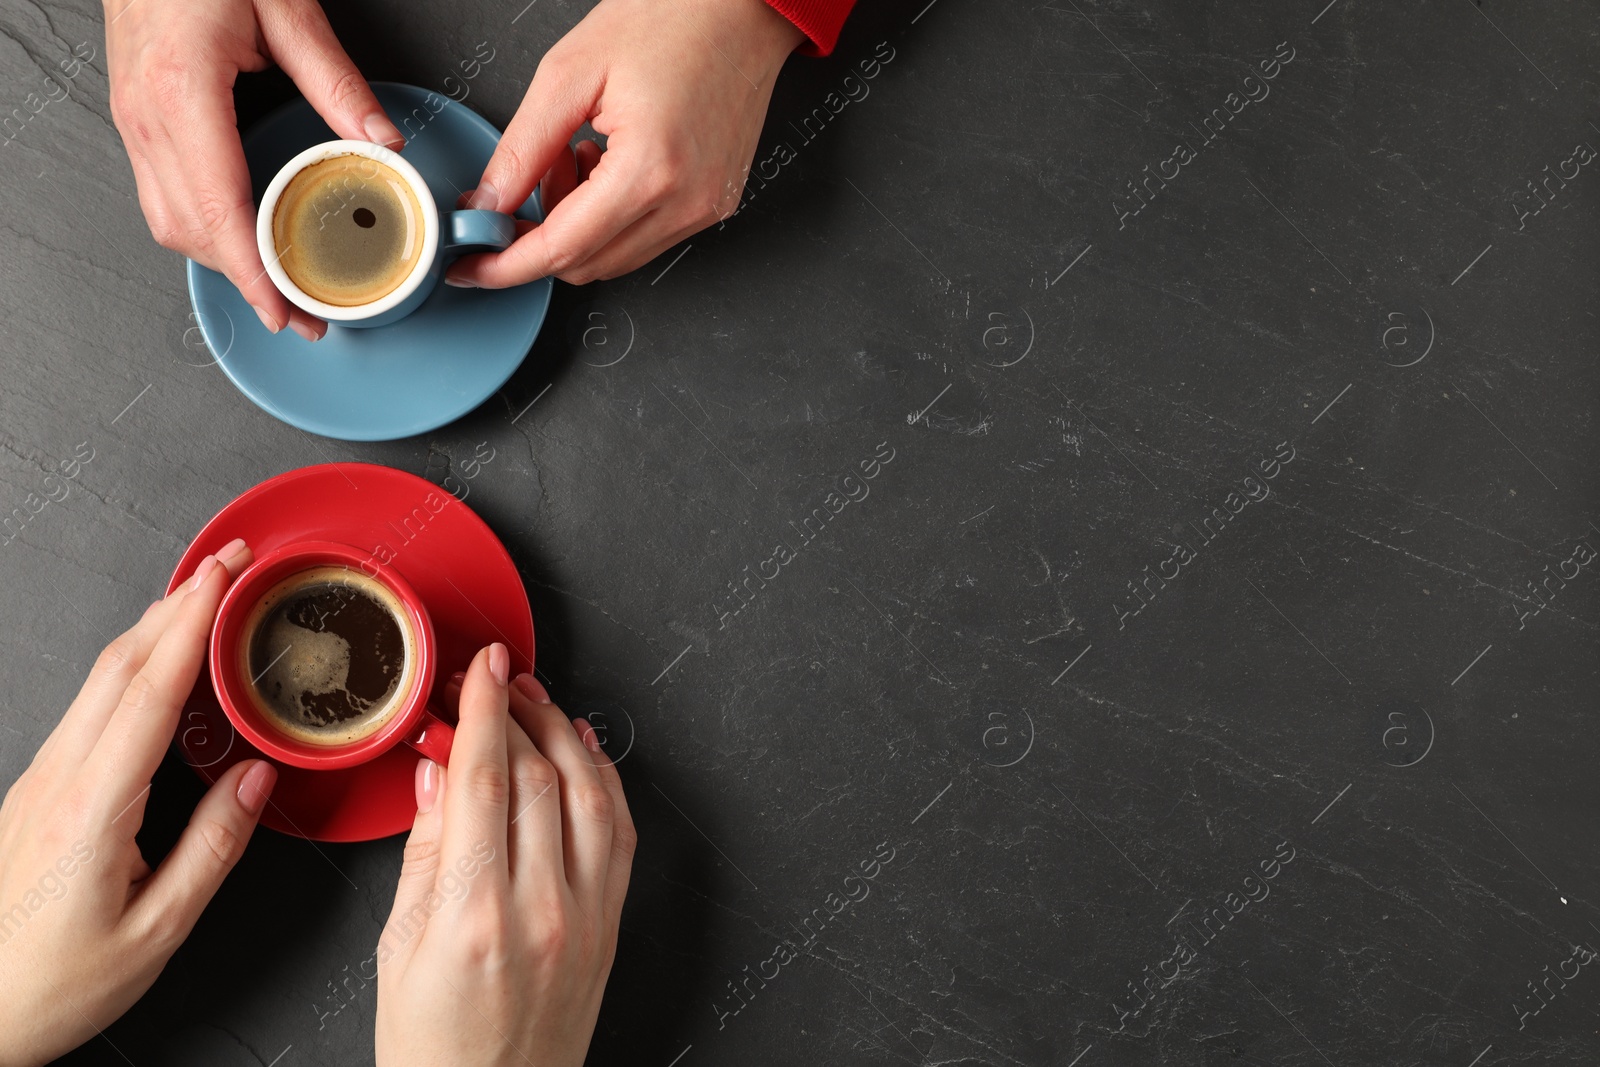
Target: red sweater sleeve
column 819, row 20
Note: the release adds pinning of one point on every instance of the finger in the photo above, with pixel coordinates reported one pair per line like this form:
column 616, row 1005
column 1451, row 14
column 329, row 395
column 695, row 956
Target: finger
column 624, row 838
column 215, row 205
column 302, row 322
column 583, row 223
column 556, row 104
column 640, row 243
column 419, row 871
column 452, row 693
column 537, row 832
column 307, row 325
column 235, row 556
column 560, row 180
column 588, row 155
column 86, row 717
column 587, row 807
column 553, row 109
column 171, row 899
column 303, row 44
column 475, row 811
column 141, row 726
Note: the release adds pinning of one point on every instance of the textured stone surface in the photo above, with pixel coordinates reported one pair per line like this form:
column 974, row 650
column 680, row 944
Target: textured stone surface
column 956, row 668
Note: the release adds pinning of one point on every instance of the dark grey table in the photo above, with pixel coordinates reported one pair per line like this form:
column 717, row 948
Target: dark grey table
column 1201, row 675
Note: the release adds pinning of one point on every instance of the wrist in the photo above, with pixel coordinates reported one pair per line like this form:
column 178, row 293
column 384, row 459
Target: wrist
column 785, row 35
column 763, row 37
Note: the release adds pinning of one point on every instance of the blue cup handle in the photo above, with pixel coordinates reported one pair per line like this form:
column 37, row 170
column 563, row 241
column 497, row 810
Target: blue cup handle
column 477, row 231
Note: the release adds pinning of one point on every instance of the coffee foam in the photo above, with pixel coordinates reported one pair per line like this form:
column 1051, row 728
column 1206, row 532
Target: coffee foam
column 348, row 230
column 309, row 670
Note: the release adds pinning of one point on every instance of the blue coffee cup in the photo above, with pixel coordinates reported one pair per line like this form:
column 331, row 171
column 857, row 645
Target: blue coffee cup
column 445, row 235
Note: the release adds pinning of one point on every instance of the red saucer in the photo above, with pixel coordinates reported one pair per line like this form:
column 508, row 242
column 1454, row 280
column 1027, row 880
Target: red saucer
column 457, row 566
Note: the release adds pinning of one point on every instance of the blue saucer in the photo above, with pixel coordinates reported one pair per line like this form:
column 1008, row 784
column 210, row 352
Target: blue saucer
column 416, row 375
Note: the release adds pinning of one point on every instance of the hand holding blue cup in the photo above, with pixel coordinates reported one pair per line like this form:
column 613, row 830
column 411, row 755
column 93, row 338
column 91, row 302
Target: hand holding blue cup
column 350, row 232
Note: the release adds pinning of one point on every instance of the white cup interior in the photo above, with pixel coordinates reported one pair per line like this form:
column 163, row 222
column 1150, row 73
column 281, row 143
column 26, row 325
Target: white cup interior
column 269, row 250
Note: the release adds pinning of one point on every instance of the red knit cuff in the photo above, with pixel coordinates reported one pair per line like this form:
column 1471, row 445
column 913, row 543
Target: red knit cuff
column 819, row 20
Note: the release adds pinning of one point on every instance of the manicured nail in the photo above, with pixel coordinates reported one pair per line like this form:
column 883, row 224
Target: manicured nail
column 229, row 550
column 591, row 740
column 459, row 677
column 427, row 785
column 499, row 662
column 460, row 283
column 304, row 331
column 206, row 566
column 268, row 321
column 532, row 689
column 256, row 786
column 381, row 131
column 485, row 198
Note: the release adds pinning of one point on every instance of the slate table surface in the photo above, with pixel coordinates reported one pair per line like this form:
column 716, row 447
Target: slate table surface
column 1238, row 522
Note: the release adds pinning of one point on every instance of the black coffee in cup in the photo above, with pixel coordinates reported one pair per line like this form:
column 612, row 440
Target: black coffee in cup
column 348, row 230
column 329, row 655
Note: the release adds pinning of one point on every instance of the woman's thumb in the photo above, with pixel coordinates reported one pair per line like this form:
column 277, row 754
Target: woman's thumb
column 209, row 846
column 303, row 44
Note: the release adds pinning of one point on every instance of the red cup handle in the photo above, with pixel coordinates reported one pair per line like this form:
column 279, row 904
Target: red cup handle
column 432, row 737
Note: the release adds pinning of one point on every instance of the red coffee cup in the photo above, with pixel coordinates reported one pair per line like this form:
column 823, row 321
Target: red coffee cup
column 411, row 722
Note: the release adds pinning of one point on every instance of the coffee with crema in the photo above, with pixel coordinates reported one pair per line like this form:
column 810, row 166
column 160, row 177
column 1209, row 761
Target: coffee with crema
column 348, row 230
column 329, row 655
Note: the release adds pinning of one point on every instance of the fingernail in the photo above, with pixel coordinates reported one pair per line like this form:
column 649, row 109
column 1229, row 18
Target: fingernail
column 256, row 786
column 459, row 677
column 460, row 283
column 381, row 131
column 591, row 740
column 228, row 550
column 427, row 785
column 268, row 321
column 484, row 198
column 499, row 662
column 304, row 331
column 206, row 566
column 532, row 689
